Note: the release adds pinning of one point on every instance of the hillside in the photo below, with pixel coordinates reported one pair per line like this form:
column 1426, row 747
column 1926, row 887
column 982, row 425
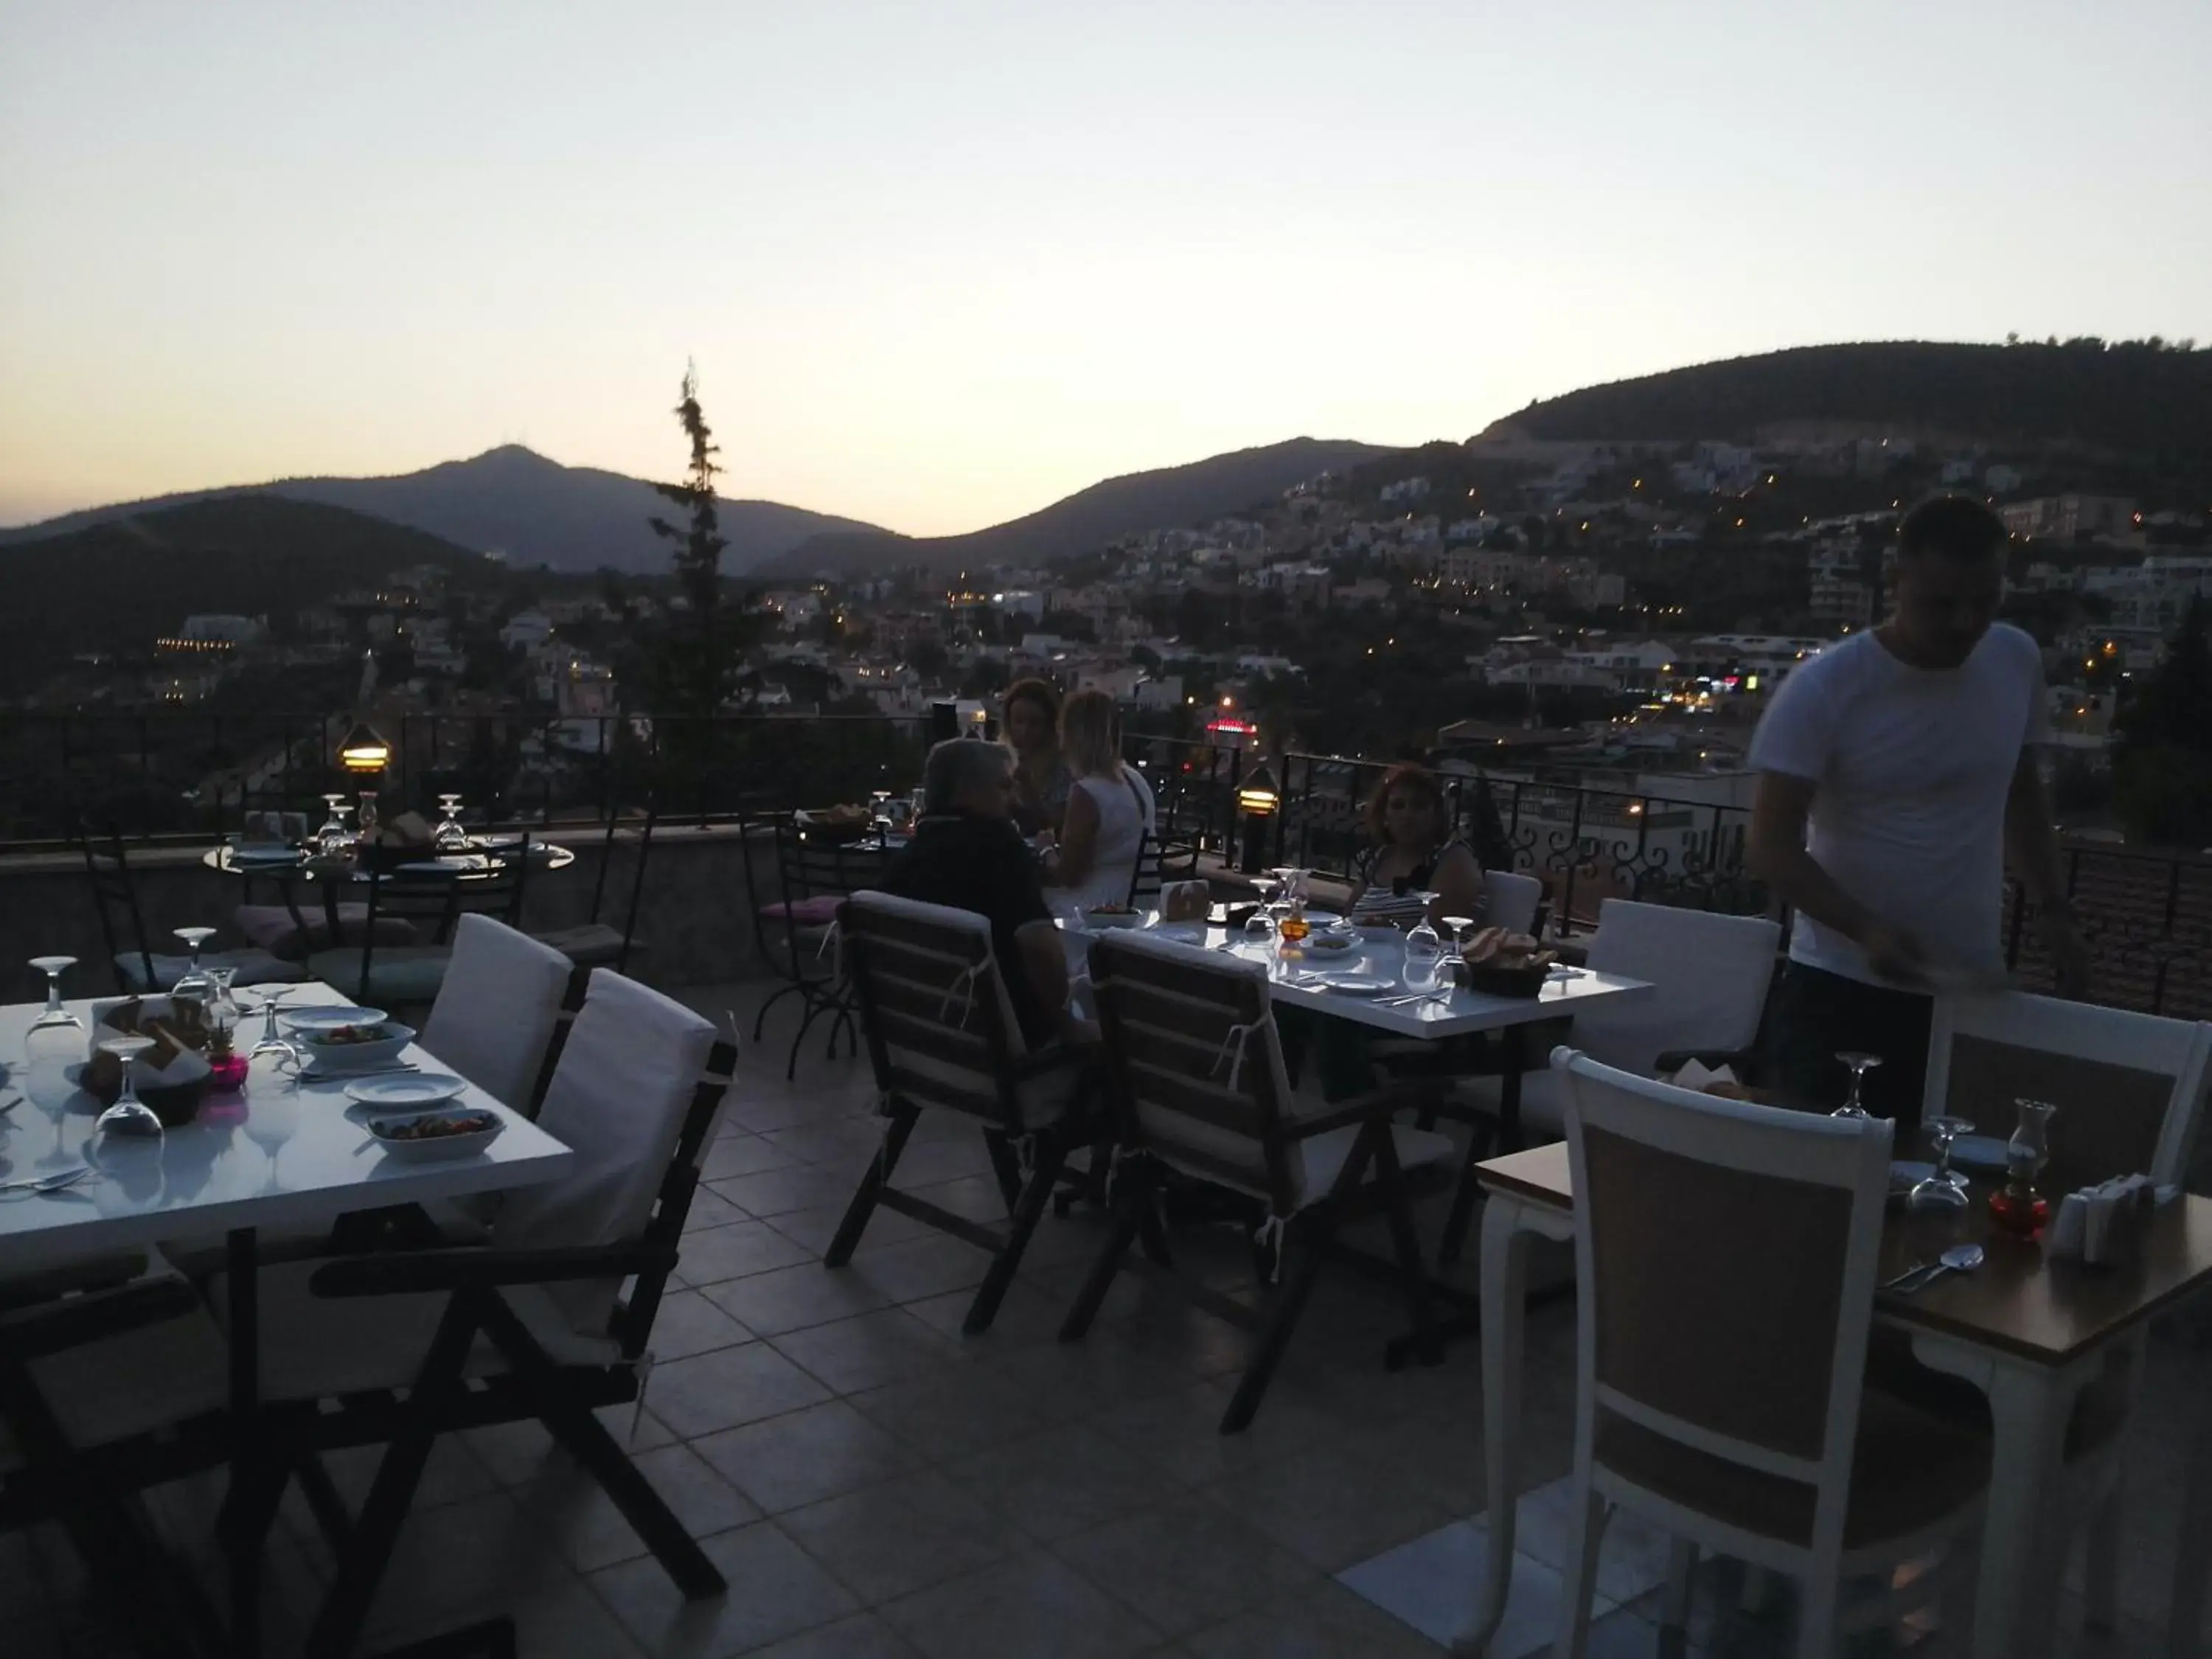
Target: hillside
column 515, row 501
column 118, row 584
column 2134, row 399
column 1217, row 487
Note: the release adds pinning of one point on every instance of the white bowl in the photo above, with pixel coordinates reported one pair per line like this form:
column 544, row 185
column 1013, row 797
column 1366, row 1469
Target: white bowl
column 324, row 1019
column 436, row 1147
column 356, row 1056
column 1114, row 918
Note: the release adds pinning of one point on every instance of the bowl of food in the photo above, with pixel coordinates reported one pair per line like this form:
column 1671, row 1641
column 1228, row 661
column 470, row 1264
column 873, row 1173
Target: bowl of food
column 1113, row 915
column 352, row 1048
column 301, row 1021
column 1324, row 943
column 425, row 1137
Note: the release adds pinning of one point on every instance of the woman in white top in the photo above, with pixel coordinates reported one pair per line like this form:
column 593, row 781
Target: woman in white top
column 1109, row 808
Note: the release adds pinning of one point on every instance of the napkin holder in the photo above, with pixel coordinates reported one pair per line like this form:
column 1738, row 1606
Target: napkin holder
column 407, row 839
column 1721, row 1080
column 170, row 1078
column 2104, row 1226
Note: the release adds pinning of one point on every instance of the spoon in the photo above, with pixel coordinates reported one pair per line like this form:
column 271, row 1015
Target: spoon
column 1959, row 1259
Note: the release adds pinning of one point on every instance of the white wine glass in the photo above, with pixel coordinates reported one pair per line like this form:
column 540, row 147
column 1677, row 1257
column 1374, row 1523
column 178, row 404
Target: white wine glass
column 195, row 982
column 130, row 1115
column 1945, row 1188
column 1860, row 1065
column 53, row 968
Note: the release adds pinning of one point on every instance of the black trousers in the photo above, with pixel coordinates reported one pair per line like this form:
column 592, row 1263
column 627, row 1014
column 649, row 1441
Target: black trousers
column 1817, row 1015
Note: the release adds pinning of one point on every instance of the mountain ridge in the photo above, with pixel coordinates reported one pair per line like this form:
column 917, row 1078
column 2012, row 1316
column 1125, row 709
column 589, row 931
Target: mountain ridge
column 512, row 500
column 1159, row 498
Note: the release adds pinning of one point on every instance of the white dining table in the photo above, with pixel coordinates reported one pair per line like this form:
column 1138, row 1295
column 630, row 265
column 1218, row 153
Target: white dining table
column 279, row 1153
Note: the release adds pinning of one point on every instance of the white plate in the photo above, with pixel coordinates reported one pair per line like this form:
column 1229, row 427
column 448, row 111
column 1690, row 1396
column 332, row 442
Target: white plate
column 329, row 1019
column 403, row 1089
column 1356, row 985
column 1328, row 945
column 1905, row 1171
column 449, row 864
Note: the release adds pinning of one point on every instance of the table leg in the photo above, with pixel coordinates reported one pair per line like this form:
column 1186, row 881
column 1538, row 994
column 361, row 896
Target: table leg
column 1514, row 1052
column 2184, row 1618
column 2015, row 1598
column 248, row 1473
column 1506, row 1244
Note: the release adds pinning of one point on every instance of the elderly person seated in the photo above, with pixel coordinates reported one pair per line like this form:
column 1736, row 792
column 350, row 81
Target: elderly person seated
column 968, row 853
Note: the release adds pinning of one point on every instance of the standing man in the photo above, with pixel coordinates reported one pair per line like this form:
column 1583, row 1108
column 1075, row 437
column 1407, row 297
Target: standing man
column 1897, row 772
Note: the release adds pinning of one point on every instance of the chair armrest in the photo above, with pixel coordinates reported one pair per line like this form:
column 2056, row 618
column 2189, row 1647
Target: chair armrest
column 1712, row 1058
column 75, row 1320
column 413, row 1271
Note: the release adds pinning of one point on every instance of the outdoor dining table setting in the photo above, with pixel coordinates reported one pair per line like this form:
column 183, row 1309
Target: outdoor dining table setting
column 334, row 1110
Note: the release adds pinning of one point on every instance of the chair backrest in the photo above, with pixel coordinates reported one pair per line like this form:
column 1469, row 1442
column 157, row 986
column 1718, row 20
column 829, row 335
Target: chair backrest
column 122, row 925
column 621, row 1099
column 496, row 1010
column 1709, row 973
column 1726, row 1256
column 941, row 1028
column 637, row 836
column 1510, row 900
column 1196, row 1064
column 2128, row 1086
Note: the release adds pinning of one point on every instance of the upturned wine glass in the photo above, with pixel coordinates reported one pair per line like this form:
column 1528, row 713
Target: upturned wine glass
column 195, row 982
column 1860, row 1065
column 1945, row 1189
column 130, row 1115
column 450, row 836
column 53, row 968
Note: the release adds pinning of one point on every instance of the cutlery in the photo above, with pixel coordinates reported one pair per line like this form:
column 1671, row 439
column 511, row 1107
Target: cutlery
column 1959, row 1259
column 365, row 1070
column 53, row 1183
column 1913, row 1271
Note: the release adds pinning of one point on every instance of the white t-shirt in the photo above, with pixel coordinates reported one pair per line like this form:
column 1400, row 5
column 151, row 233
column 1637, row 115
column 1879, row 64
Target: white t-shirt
column 1913, row 767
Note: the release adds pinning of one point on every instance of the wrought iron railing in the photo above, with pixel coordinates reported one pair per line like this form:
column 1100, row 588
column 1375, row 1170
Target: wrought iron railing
column 187, row 776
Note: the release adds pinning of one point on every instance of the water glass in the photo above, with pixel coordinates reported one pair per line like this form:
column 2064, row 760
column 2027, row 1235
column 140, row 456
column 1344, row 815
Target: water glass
column 1945, row 1189
column 1860, row 1065
column 194, row 984
column 1424, row 957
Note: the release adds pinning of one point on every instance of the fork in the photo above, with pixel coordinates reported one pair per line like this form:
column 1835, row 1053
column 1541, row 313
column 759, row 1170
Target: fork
column 53, row 1183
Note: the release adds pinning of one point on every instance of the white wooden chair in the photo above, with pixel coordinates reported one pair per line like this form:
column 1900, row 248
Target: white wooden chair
column 1719, row 1388
column 1709, row 974
column 498, row 1009
column 1511, row 900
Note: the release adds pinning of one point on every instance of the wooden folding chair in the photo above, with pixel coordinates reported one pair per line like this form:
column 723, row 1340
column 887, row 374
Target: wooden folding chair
column 942, row 1035
column 1195, row 1071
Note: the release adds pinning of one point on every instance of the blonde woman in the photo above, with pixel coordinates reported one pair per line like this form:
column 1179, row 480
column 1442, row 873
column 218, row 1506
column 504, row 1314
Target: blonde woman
column 1109, row 808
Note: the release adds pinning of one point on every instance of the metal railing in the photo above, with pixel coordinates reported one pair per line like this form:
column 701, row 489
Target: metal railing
column 187, row 776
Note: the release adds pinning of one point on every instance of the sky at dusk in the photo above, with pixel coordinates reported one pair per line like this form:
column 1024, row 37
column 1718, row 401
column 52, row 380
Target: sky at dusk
column 938, row 264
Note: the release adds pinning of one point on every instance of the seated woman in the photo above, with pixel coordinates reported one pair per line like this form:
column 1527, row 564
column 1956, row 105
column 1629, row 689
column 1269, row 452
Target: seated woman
column 1029, row 715
column 1109, row 808
column 1415, row 850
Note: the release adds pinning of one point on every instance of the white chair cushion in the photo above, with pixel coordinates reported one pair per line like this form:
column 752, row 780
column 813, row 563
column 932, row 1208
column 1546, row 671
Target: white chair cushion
column 1325, row 1154
column 497, row 1008
column 137, row 1382
column 1543, row 1102
column 313, row 1347
column 617, row 1099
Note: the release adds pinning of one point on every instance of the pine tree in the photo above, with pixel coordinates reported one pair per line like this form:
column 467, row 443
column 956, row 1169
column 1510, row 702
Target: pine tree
column 695, row 671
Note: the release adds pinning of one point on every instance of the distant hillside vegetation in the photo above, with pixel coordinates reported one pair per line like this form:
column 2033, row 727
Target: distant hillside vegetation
column 1219, row 487
column 118, row 586
column 2138, row 397
column 515, row 501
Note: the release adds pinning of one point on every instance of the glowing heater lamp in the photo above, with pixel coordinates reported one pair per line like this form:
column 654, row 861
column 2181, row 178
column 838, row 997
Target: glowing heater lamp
column 363, row 751
column 1256, row 801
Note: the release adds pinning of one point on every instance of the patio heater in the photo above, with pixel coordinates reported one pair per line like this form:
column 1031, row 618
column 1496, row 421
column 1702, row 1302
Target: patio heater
column 1257, row 801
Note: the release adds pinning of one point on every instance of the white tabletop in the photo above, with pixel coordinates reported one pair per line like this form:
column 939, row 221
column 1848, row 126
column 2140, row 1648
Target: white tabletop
column 1380, row 957
column 276, row 1154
